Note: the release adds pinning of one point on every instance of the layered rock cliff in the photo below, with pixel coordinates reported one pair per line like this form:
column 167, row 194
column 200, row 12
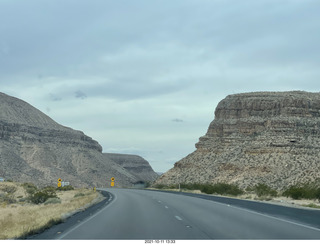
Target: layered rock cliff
column 34, row 148
column 136, row 165
column 262, row 137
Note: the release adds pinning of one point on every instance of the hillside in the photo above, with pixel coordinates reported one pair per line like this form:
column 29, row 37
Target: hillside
column 134, row 164
column 34, row 148
column 263, row 137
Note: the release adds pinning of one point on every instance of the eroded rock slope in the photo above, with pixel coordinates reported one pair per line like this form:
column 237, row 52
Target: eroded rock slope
column 136, row 165
column 262, row 137
column 34, row 148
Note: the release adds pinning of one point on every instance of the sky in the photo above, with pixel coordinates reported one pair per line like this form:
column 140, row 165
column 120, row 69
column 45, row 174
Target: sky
column 144, row 76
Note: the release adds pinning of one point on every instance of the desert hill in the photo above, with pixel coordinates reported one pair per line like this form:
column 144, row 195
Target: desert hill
column 262, row 137
column 135, row 164
column 34, row 148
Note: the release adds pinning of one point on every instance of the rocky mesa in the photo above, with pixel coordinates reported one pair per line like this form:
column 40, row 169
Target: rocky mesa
column 262, row 137
column 34, row 148
column 136, row 165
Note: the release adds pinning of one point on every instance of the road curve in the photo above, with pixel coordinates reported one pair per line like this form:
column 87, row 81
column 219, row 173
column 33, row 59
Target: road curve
column 139, row 214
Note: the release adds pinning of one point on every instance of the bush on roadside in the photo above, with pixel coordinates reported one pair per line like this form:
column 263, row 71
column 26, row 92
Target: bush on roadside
column 52, row 201
column 80, row 194
column 264, row 190
column 160, row 186
column 9, row 189
column 43, row 195
column 218, row 188
column 29, row 188
column 65, row 188
column 7, row 199
column 306, row 191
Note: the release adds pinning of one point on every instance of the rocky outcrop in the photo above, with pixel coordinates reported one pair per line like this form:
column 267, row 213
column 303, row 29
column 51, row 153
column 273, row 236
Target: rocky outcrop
column 262, row 137
column 134, row 164
column 34, row 148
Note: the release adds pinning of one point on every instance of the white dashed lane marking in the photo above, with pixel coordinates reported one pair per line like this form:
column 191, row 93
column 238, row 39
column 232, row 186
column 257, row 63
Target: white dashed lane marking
column 178, row 217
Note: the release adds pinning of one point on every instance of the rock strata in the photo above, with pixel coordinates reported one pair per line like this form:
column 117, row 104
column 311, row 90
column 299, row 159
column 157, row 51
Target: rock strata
column 34, row 148
column 261, row 137
column 134, row 164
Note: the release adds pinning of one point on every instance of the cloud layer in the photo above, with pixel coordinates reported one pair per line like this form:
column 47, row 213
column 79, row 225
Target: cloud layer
column 145, row 76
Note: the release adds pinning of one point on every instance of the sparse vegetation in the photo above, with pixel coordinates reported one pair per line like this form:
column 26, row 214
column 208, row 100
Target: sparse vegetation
column 52, row 201
column 262, row 190
column 29, row 188
column 65, row 188
column 20, row 216
column 303, row 191
column 311, row 205
column 43, row 195
column 79, row 195
column 218, row 188
column 310, row 191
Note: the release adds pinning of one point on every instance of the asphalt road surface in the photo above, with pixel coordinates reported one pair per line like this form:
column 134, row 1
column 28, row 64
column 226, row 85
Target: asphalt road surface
column 140, row 214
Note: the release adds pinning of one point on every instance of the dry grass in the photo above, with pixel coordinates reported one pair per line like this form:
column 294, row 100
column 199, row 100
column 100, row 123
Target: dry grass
column 20, row 219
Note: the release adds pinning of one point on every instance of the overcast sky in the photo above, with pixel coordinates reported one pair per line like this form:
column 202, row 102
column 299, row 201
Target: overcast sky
column 144, row 76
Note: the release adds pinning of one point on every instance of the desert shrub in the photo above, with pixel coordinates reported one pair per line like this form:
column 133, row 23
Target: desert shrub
column 65, row 188
column 29, row 188
column 299, row 191
column 79, row 195
column 52, row 201
column 8, row 189
column 317, row 194
column 160, row 186
column 264, row 190
column 147, row 184
column 8, row 199
column 294, row 192
column 22, row 199
column 43, row 195
column 218, row 188
column 227, row 189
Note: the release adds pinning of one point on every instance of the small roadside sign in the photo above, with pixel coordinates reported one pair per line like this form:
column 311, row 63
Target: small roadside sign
column 112, row 182
column 59, row 182
column 65, row 183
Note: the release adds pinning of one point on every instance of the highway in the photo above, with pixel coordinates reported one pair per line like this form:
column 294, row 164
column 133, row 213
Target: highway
column 141, row 214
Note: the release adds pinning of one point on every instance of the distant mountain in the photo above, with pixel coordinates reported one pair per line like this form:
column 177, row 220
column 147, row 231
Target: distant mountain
column 271, row 138
column 34, row 148
column 134, row 164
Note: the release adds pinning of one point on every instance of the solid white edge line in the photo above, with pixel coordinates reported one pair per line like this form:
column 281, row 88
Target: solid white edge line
column 86, row 220
column 269, row 216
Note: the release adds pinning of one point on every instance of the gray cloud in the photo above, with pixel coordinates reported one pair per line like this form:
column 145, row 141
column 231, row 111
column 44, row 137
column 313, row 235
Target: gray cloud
column 152, row 61
column 55, row 97
column 177, row 120
column 80, row 95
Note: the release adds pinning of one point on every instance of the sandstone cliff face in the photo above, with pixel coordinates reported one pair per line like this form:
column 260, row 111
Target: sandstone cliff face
column 34, row 148
column 262, row 137
column 136, row 165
